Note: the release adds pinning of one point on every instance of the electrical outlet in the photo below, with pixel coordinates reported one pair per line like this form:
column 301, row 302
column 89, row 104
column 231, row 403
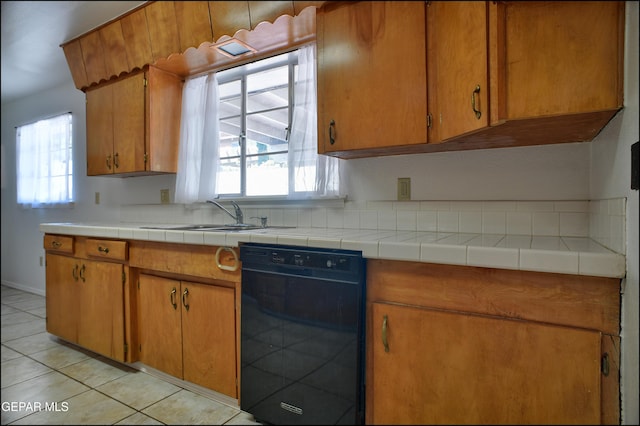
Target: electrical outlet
column 97, row 198
column 164, row 196
column 404, row 189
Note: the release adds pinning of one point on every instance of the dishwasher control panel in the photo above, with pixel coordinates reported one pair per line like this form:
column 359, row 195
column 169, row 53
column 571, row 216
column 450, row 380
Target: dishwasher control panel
column 313, row 260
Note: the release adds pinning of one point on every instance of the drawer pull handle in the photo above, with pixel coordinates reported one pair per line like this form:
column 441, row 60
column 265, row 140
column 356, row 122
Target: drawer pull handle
column 236, row 263
column 56, row 244
column 185, row 293
column 104, row 250
column 385, row 342
column 172, row 298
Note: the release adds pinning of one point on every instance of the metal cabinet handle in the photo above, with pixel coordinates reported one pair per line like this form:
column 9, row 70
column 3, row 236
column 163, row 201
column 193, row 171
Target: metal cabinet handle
column 109, row 162
column 104, row 250
column 116, row 162
column 172, row 298
column 385, row 342
column 185, row 293
column 82, row 270
column 332, row 138
column 74, row 272
column 56, row 244
column 225, row 267
column 473, row 102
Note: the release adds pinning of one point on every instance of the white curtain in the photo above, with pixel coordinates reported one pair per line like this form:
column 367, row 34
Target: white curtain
column 311, row 174
column 44, row 154
column 199, row 156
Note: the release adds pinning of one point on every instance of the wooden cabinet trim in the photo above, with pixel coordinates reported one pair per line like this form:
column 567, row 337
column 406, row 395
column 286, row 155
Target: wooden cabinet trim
column 570, row 300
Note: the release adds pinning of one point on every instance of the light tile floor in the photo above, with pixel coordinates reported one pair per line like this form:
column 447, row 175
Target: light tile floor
column 48, row 381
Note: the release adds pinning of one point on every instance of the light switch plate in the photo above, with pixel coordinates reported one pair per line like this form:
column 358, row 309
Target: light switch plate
column 404, row 189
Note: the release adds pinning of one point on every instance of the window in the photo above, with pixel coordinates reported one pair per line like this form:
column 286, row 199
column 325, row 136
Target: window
column 256, row 106
column 251, row 131
column 44, row 152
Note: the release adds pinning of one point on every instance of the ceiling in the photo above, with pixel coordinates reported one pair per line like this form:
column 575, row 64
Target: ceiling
column 32, row 32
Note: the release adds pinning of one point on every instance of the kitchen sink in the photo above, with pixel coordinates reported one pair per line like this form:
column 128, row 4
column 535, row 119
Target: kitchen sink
column 212, row 227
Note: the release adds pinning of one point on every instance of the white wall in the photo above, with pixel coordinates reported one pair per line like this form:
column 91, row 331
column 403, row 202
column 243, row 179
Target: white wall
column 611, row 178
column 595, row 170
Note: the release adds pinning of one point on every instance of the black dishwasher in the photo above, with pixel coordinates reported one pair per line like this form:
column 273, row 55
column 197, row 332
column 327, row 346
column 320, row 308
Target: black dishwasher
column 302, row 334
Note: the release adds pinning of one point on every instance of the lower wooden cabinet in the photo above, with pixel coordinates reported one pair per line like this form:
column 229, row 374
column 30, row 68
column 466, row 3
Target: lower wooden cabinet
column 85, row 303
column 446, row 367
column 187, row 330
column 464, row 345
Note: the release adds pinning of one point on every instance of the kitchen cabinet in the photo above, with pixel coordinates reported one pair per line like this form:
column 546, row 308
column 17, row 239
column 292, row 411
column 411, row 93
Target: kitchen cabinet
column 188, row 312
column 372, row 76
column 187, row 330
column 457, row 345
column 85, row 297
column 465, row 75
column 157, row 30
column 457, row 68
column 133, row 124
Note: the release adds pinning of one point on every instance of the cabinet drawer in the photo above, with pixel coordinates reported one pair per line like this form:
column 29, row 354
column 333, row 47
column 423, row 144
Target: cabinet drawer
column 58, row 243
column 215, row 262
column 107, row 249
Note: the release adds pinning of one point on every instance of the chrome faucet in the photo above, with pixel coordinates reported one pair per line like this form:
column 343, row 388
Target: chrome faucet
column 239, row 217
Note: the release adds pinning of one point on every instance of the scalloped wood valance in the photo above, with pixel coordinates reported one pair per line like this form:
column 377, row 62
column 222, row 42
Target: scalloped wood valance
column 180, row 37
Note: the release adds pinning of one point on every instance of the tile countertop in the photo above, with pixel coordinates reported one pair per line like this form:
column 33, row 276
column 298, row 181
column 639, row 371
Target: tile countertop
column 565, row 255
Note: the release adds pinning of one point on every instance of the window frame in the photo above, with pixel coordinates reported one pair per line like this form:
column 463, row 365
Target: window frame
column 241, row 73
column 48, row 159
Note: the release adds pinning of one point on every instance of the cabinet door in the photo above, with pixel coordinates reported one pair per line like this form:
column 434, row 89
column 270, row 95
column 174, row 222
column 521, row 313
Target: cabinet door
column 101, row 307
column 444, row 367
column 100, row 131
column 208, row 337
column 62, row 301
column 558, row 58
column 159, row 319
column 372, row 81
column 129, row 124
column 457, row 64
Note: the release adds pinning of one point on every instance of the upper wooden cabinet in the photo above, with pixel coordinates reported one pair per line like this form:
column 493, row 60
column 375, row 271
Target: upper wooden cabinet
column 133, row 124
column 157, row 30
column 498, row 74
column 457, row 68
column 372, row 81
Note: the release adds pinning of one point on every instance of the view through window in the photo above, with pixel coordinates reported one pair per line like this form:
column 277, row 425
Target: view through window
column 256, row 106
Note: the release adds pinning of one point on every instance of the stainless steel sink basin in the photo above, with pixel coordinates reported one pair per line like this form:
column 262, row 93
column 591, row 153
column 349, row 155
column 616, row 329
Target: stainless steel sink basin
column 212, row 227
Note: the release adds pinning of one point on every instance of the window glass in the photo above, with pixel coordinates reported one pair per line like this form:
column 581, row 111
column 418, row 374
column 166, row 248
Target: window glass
column 44, row 172
column 255, row 115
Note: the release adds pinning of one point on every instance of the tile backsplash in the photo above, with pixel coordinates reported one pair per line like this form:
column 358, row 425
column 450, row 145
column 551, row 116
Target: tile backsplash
column 601, row 220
